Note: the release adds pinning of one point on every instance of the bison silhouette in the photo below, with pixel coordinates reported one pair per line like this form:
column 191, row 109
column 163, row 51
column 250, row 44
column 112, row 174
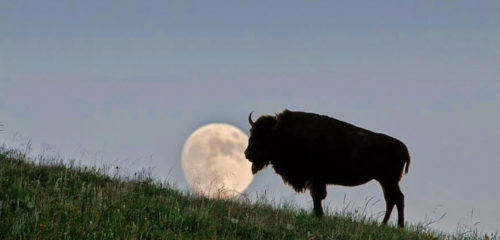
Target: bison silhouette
column 309, row 151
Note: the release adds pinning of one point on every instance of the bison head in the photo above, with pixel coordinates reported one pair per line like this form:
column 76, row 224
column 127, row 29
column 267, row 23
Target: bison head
column 260, row 144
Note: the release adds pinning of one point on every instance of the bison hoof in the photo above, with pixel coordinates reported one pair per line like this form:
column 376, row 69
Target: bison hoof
column 318, row 214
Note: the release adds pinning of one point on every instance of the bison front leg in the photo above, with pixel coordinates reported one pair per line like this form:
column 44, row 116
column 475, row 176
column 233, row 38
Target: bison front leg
column 318, row 193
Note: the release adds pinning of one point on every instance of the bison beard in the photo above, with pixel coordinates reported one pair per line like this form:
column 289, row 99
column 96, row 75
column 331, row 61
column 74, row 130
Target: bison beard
column 310, row 151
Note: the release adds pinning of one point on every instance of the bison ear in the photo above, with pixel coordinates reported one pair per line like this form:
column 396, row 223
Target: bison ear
column 277, row 123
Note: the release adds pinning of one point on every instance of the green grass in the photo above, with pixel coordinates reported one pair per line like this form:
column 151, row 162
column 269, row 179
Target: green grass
column 49, row 200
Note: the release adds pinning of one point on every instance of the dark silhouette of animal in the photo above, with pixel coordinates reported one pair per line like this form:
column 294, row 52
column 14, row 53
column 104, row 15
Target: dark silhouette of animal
column 310, row 151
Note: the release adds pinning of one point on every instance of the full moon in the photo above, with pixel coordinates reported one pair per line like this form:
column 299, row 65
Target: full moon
column 214, row 163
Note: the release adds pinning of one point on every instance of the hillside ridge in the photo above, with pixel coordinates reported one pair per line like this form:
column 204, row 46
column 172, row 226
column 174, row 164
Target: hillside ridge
column 49, row 200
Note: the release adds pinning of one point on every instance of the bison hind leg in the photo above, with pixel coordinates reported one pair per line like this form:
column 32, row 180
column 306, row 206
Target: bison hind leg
column 393, row 196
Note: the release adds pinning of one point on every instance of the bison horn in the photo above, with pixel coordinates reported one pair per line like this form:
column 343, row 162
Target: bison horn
column 250, row 119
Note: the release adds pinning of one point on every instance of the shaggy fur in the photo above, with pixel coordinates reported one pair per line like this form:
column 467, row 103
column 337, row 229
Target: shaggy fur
column 310, row 151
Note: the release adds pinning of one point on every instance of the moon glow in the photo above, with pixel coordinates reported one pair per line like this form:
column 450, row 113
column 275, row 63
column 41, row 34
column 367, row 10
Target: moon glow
column 214, row 163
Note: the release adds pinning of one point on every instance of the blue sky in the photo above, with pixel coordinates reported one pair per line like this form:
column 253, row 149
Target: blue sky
column 125, row 82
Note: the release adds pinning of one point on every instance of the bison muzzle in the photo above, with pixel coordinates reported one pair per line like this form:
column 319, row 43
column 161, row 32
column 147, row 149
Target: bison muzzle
column 310, row 151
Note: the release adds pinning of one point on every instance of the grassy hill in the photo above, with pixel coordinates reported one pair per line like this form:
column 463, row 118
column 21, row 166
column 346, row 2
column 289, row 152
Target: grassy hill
column 54, row 201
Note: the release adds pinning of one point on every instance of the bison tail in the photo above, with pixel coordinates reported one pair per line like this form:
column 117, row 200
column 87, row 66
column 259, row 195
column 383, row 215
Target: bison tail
column 407, row 165
column 407, row 160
